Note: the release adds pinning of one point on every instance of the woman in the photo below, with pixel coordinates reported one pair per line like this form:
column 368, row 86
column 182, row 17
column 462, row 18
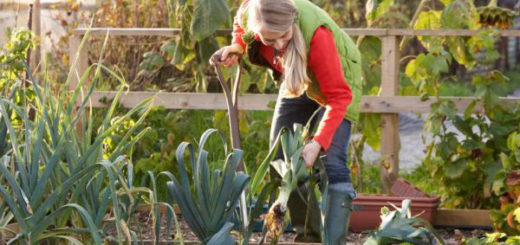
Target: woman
column 319, row 67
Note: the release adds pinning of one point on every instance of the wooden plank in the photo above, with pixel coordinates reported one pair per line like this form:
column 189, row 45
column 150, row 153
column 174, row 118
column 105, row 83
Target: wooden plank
column 102, row 31
column 389, row 122
column 378, row 32
column 170, row 32
column 197, row 101
column 414, row 104
column 64, row 5
column 163, row 32
column 46, row 5
column 424, row 32
column 462, row 218
column 215, row 101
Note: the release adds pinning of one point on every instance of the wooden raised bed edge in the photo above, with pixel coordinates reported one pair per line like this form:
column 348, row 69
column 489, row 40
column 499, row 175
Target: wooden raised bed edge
column 443, row 217
column 462, row 218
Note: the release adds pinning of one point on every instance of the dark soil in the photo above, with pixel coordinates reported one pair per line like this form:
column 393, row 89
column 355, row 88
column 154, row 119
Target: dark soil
column 145, row 232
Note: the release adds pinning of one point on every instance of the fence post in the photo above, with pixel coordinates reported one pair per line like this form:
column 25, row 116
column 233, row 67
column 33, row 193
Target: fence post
column 78, row 69
column 36, row 29
column 389, row 121
column 81, row 66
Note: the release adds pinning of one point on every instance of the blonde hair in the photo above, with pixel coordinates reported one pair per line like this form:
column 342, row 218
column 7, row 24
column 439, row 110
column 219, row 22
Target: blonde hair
column 279, row 16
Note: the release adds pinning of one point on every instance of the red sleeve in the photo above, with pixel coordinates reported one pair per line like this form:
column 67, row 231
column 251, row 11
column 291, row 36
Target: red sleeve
column 237, row 26
column 325, row 64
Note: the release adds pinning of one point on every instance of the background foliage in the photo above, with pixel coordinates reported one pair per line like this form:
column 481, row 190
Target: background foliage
column 467, row 168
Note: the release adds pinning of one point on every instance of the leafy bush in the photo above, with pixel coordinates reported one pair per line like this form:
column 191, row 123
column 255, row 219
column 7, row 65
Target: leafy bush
column 507, row 217
column 469, row 166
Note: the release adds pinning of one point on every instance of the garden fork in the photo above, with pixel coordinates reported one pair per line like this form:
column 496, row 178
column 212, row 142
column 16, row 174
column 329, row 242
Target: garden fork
column 232, row 106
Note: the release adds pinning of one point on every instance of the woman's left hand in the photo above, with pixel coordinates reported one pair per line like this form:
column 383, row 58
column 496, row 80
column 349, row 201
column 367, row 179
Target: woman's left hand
column 310, row 153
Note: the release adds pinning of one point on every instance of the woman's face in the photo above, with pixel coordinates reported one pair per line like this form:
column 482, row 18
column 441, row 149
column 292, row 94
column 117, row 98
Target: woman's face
column 277, row 40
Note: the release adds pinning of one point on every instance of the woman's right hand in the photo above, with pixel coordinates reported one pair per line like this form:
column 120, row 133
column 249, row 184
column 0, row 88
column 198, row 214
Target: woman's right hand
column 227, row 56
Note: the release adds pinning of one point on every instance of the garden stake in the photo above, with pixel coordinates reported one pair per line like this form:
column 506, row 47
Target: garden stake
column 232, row 105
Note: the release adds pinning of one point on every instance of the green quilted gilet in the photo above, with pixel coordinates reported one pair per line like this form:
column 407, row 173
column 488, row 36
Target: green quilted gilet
column 310, row 17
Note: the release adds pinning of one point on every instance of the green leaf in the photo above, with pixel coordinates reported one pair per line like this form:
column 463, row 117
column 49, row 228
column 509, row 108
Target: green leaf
column 152, row 60
column 14, row 208
column 223, row 236
column 440, row 64
column 448, row 108
column 411, row 68
column 469, row 110
column 511, row 141
column 497, row 186
column 371, row 129
column 182, row 56
column 70, row 239
column 261, row 172
column 430, row 20
column 460, row 52
column 459, row 14
column 371, row 7
column 205, row 49
column 455, row 169
column 506, row 164
column 169, row 47
column 377, row 8
column 260, row 199
column 484, row 40
column 434, row 64
column 398, row 227
column 271, row 104
column 463, row 126
column 516, row 213
column 208, row 15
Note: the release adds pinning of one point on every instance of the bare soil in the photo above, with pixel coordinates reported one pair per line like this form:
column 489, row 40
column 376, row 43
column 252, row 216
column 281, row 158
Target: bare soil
column 144, row 227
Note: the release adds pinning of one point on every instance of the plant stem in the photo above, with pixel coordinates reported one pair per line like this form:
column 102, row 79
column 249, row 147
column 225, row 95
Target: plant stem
column 283, row 197
column 418, row 11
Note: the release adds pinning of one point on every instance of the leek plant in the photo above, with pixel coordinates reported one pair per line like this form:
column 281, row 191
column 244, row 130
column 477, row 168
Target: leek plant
column 210, row 208
column 399, row 226
column 57, row 182
column 292, row 169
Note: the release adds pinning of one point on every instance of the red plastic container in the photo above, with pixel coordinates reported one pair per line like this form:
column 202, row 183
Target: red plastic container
column 366, row 214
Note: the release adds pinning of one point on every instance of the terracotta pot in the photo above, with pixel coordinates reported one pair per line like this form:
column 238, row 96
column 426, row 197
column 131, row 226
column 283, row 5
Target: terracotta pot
column 367, row 209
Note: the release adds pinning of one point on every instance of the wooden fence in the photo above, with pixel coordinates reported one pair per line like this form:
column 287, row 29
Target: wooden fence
column 389, row 104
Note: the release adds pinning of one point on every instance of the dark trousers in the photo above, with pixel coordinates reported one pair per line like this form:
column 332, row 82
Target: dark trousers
column 299, row 110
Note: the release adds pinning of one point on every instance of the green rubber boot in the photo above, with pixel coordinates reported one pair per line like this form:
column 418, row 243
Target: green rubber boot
column 297, row 210
column 307, row 231
column 339, row 206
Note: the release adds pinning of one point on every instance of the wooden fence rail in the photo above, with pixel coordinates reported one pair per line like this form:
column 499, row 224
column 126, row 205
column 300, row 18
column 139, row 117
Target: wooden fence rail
column 389, row 104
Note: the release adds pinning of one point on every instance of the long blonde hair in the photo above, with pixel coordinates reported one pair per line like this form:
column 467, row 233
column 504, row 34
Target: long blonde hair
column 279, row 16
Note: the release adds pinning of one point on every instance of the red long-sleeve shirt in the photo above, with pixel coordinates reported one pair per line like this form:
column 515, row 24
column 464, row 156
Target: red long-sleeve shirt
column 324, row 62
